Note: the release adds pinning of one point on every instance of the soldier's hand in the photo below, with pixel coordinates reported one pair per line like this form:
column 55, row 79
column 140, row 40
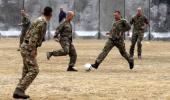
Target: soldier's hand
column 20, row 24
column 108, row 33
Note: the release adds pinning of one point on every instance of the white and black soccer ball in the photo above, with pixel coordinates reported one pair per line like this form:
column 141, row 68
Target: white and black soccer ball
column 87, row 67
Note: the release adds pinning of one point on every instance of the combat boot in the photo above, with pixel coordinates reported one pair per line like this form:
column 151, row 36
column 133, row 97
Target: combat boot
column 20, row 94
column 49, row 54
column 71, row 68
column 131, row 63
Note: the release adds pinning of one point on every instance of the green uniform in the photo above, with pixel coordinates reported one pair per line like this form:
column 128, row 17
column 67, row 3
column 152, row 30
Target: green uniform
column 25, row 26
column 32, row 41
column 138, row 32
column 116, row 39
column 64, row 34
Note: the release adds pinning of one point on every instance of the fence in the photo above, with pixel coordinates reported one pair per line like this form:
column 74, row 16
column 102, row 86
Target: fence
column 93, row 17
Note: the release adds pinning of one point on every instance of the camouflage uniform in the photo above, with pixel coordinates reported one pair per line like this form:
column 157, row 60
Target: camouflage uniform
column 25, row 23
column 115, row 39
column 33, row 39
column 64, row 34
column 138, row 32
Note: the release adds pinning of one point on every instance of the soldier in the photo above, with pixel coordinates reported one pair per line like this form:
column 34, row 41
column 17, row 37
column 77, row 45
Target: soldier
column 32, row 41
column 115, row 39
column 140, row 22
column 25, row 24
column 63, row 35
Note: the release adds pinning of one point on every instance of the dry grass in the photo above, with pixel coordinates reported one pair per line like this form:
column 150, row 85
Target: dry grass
column 150, row 80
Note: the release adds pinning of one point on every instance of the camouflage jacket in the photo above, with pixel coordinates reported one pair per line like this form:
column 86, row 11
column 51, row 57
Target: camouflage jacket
column 64, row 30
column 138, row 22
column 25, row 21
column 119, row 28
column 36, row 33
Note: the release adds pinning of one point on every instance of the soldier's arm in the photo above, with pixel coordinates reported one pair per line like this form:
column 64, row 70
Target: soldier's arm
column 58, row 30
column 146, row 21
column 126, row 26
column 34, row 40
column 42, row 35
column 132, row 21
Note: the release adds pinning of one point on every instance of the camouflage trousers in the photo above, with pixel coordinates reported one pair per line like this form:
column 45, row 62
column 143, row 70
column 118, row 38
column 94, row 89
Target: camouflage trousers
column 136, row 37
column 109, row 45
column 67, row 49
column 30, row 67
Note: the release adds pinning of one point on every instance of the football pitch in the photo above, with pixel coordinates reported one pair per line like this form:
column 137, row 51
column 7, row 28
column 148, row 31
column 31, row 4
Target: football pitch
column 149, row 80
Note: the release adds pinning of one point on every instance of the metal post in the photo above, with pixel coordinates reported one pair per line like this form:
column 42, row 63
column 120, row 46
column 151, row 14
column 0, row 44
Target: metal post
column 99, row 31
column 23, row 4
column 149, row 20
column 74, row 33
column 124, row 8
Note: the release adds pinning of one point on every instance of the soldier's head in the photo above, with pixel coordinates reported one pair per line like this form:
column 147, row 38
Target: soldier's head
column 23, row 13
column 117, row 15
column 139, row 11
column 48, row 13
column 70, row 16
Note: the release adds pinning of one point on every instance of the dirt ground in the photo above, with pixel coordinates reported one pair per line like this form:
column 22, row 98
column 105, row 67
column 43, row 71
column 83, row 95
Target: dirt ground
column 150, row 79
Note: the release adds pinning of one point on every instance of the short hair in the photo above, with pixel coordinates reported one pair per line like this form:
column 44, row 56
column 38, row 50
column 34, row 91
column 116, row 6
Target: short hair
column 70, row 12
column 117, row 11
column 47, row 11
column 139, row 8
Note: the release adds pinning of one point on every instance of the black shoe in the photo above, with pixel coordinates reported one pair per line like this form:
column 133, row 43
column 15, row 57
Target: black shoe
column 96, row 65
column 131, row 63
column 49, row 54
column 71, row 69
column 19, row 94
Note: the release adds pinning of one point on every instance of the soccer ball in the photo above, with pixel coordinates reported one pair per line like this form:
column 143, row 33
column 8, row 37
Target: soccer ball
column 88, row 67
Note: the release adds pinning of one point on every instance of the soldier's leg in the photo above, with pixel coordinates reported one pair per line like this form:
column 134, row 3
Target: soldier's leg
column 121, row 46
column 133, row 42
column 24, row 69
column 139, row 43
column 73, row 58
column 72, row 55
column 62, row 52
column 33, row 71
column 108, row 46
column 30, row 71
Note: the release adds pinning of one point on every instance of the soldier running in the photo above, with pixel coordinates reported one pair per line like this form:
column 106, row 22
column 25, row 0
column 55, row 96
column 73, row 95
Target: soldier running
column 63, row 35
